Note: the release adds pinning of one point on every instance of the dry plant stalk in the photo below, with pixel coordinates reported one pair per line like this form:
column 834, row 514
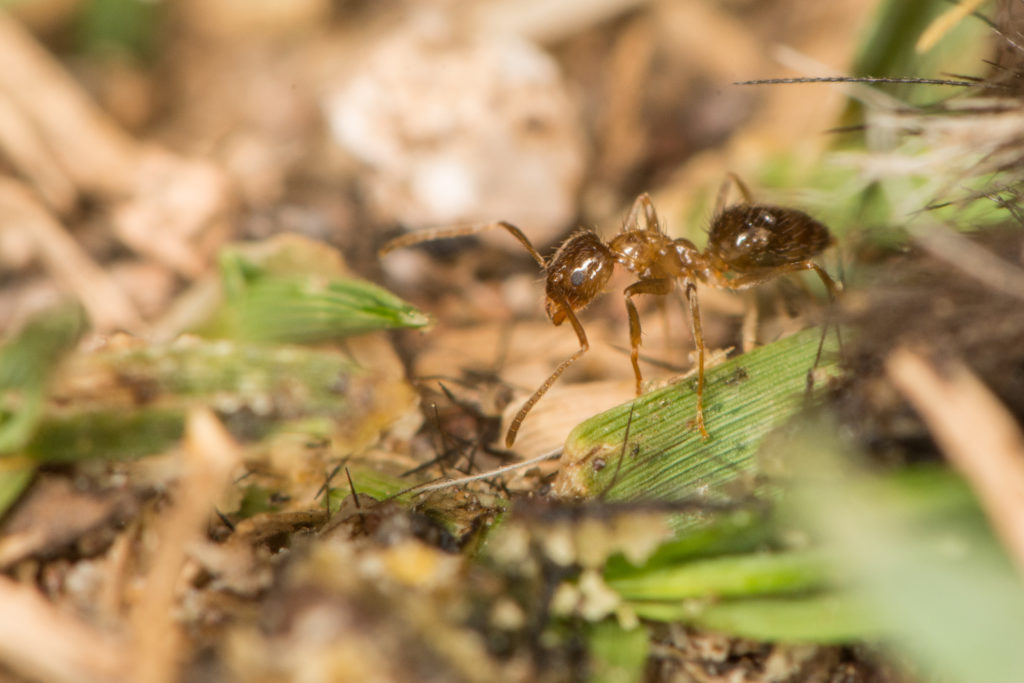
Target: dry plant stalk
column 80, row 139
column 211, row 456
column 161, row 205
column 108, row 305
column 976, row 432
column 40, row 642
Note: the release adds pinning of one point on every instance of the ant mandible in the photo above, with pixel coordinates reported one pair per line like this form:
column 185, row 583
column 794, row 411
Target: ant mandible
column 748, row 244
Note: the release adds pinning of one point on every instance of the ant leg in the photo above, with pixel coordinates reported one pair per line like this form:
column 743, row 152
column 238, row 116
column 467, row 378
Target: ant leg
column 642, row 202
column 749, row 326
column 723, row 192
column 831, row 285
column 752, row 280
column 517, row 421
column 660, row 286
column 412, row 238
column 698, row 340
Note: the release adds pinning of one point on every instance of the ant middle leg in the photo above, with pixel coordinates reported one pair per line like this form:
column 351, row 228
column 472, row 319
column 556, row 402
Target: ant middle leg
column 581, row 335
column 643, row 203
column 659, row 286
column 690, row 288
column 430, row 235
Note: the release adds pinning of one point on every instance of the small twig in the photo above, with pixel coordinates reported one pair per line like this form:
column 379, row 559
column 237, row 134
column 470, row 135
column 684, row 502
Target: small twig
column 41, row 642
column 108, row 305
column 944, row 23
column 211, row 456
column 426, row 488
column 352, row 488
column 873, row 80
column 976, row 432
column 971, row 258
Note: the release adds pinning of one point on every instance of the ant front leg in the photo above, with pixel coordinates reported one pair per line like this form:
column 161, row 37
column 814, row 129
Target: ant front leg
column 412, row 238
column 517, row 421
column 660, row 286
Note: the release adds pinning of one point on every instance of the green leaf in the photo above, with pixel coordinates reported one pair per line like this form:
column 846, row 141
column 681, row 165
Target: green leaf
column 745, row 399
column 14, row 479
column 26, row 364
column 727, row 576
column 824, row 618
column 286, row 306
column 617, row 654
column 922, row 554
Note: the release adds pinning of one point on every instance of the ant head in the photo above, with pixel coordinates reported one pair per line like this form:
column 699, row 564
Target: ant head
column 576, row 274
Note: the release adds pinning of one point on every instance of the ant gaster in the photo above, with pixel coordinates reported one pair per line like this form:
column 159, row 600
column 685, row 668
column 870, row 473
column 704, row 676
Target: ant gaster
column 748, row 244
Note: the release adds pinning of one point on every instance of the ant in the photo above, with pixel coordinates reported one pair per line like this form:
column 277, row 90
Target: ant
column 748, row 244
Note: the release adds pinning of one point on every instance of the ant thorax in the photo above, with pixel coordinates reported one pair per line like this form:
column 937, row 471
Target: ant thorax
column 647, row 253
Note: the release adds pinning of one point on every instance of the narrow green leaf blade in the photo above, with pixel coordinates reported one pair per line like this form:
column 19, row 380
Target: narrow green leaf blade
column 666, row 459
column 824, row 618
column 727, row 576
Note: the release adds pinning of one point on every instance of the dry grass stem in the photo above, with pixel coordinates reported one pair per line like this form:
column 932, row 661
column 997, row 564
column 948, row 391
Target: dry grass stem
column 163, row 206
column 97, row 154
column 40, row 642
column 553, row 455
column 211, row 456
column 545, row 22
column 972, row 258
column 108, row 305
column 944, row 23
column 21, row 143
column 977, row 434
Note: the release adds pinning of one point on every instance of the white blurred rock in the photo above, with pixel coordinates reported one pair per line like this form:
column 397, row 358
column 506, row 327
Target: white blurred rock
column 457, row 127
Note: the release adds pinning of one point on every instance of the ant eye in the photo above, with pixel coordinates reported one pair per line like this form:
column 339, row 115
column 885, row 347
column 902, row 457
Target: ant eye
column 577, row 277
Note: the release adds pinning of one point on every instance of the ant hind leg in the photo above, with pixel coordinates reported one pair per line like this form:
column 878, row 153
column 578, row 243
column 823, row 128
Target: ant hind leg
column 723, row 192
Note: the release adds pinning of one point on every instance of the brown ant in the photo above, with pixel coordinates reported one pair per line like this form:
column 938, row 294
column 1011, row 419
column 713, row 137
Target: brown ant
column 748, row 244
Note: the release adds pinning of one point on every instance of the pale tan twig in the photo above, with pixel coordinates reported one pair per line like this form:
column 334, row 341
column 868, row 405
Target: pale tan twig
column 89, row 145
column 211, row 456
column 971, row 258
column 41, row 643
column 107, row 304
column 28, row 153
column 551, row 455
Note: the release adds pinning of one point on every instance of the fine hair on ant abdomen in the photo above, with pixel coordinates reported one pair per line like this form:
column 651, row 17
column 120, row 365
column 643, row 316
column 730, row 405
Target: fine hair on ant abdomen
column 748, row 244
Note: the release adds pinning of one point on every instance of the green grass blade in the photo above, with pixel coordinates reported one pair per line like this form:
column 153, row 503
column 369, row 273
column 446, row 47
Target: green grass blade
column 727, row 576
column 666, row 459
column 826, row 618
column 14, row 479
column 728, row 533
column 256, row 388
column 268, row 304
column 26, row 364
column 617, row 655
column 922, row 555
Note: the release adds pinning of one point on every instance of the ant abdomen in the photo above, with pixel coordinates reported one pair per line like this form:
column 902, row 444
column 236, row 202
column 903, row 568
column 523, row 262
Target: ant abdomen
column 746, row 238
